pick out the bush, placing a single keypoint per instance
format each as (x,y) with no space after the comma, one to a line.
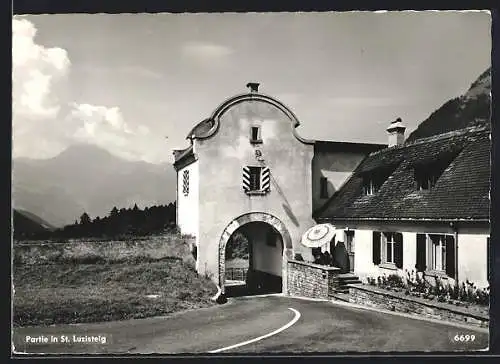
(395,281)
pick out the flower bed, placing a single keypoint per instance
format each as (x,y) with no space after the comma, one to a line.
(425,295)
(419,285)
(398,301)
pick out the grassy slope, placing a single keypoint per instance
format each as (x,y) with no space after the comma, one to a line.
(71,293)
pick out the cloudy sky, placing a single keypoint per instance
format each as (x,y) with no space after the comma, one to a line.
(126,81)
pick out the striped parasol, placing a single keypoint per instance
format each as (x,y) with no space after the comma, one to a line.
(318,235)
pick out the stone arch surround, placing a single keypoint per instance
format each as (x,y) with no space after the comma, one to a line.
(243,220)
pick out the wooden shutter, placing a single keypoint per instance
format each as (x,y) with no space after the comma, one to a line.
(398,250)
(488,257)
(421,265)
(246,179)
(376,247)
(450,256)
(265,179)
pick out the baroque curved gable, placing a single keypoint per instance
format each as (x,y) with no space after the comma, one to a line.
(208,127)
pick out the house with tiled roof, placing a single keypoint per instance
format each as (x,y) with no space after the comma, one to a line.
(421,205)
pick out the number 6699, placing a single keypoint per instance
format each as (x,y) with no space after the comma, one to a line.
(464,338)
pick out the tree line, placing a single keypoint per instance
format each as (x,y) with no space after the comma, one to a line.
(119,222)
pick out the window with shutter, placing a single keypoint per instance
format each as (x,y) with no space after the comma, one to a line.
(256,179)
(392,249)
(436,252)
(376,248)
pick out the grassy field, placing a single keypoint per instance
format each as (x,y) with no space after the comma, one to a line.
(48,294)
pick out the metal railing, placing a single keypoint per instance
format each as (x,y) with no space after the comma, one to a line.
(236,274)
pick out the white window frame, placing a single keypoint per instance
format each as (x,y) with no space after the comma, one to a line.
(369,188)
(430,179)
(385,241)
(436,256)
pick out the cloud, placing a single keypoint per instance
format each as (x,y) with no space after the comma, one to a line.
(105,126)
(35,70)
(205,51)
(45,122)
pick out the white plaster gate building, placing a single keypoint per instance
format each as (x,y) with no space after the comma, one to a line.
(247,169)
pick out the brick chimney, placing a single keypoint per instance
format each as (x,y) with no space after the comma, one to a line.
(253,86)
(396,132)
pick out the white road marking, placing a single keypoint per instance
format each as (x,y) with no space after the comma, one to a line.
(294,320)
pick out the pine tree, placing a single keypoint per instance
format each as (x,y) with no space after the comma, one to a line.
(84,219)
(114,212)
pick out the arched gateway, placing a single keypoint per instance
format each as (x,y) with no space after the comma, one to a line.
(242,221)
(247,168)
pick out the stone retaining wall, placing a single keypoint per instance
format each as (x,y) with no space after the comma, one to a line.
(311,280)
(80,251)
(399,302)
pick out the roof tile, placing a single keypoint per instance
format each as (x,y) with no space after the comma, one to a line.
(461,192)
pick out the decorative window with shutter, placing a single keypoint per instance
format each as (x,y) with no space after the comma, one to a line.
(256,180)
(185,183)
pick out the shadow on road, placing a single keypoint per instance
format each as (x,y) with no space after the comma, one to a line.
(243,290)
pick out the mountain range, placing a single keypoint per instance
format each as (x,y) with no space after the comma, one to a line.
(470,109)
(86,178)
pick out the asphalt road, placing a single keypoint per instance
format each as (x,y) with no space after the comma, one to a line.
(312,326)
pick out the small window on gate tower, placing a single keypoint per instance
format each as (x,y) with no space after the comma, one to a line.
(255,135)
